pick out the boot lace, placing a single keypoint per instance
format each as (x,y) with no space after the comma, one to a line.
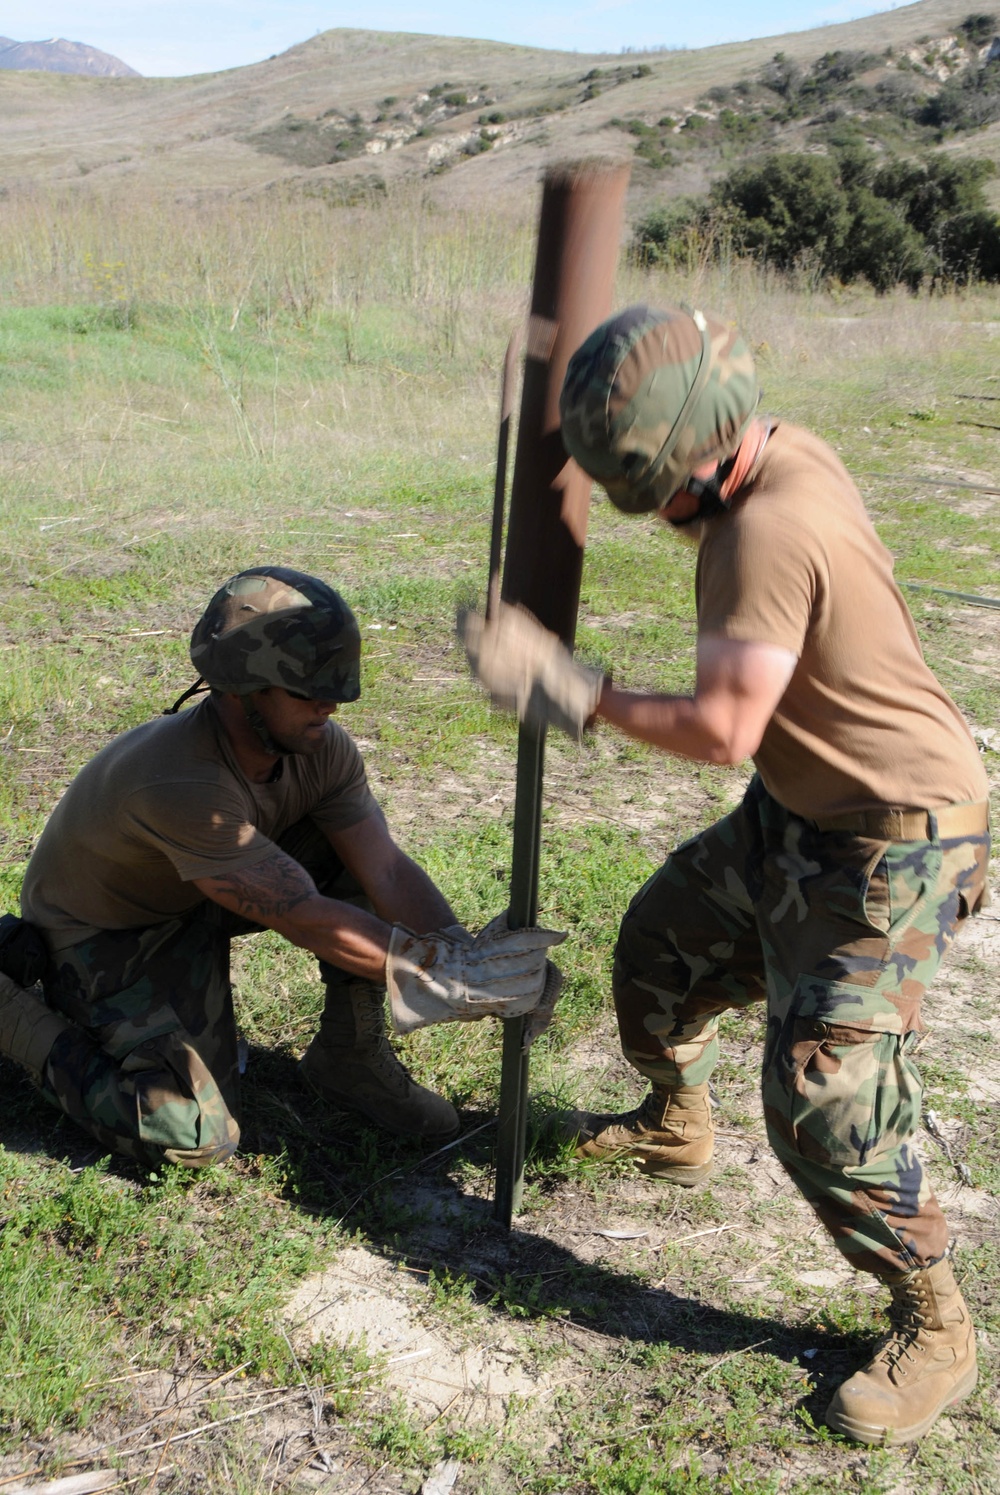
(372,1040)
(908,1312)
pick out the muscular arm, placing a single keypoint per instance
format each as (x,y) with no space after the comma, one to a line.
(737,688)
(400,891)
(281,895)
(278,893)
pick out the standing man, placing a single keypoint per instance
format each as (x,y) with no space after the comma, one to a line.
(833,891)
(249,810)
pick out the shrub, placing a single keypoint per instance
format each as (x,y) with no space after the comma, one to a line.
(930,191)
(882,247)
(978,29)
(650,152)
(683,234)
(849,216)
(967,102)
(782,76)
(788,206)
(968,247)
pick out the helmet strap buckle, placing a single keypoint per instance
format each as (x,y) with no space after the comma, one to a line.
(708,492)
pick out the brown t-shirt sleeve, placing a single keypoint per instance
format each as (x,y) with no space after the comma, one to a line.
(755,583)
(201,828)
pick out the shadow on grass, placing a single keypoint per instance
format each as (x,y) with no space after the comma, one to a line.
(408,1206)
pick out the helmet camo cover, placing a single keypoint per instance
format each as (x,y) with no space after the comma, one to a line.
(653,394)
(273,626)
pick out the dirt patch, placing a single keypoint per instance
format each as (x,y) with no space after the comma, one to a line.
(365,1301)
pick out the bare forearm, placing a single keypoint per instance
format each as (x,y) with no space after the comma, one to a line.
(348,937)
(281,895)
(407,895)
(683,725)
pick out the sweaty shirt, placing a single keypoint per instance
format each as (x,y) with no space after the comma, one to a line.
(167,803)
(863,722)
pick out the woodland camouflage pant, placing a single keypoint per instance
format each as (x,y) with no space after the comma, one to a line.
(150,1066)
(840,936)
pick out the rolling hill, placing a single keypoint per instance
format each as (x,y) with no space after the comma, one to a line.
(353,110)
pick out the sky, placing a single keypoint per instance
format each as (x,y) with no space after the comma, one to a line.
(182,37)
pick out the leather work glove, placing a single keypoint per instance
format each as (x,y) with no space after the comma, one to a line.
(540,1017)
(435,978)
(528,670)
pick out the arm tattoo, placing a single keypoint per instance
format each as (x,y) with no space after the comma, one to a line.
(267,890)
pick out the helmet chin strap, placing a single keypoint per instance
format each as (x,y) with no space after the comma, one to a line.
(715,494)
(708,492)
(257,723)
(196,689)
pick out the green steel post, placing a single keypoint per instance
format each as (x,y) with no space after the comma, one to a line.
(513,1119)
(579,230)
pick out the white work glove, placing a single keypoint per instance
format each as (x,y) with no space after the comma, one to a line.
(540,1017)
(437,978)
(528,670)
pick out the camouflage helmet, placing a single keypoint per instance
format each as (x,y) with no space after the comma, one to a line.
(275,626)
(651,396)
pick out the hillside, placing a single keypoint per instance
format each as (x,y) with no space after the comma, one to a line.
(474,120)
(61,56)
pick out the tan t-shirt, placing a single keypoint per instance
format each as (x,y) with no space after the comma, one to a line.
(167,803)
(863,723)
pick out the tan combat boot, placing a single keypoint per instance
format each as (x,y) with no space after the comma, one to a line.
(28,1027)
(669,1136)
(927,1363)
(351,1064)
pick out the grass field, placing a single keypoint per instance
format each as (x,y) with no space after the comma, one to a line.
(186,393)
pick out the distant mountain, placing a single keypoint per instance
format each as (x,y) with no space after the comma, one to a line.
(59,56)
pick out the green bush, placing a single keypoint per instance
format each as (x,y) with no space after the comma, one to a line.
(968,246)
(967,102)
(682,233)
(979,29)
(851,217)
(787,207)
(932,190)
(882,247)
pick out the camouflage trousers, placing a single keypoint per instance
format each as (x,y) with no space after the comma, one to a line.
(840,936)
(150,1066)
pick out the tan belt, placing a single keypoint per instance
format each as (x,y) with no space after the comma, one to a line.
(953,822)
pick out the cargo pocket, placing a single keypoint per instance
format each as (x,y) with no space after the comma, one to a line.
(836,1080)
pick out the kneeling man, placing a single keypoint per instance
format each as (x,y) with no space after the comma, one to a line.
(249,810)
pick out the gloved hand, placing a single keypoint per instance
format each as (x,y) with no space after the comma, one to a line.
(540,1017)
(528,670)
(436,978)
